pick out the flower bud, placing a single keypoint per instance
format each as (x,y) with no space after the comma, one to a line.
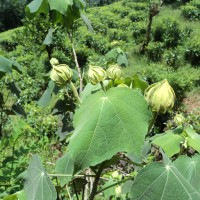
(61,74)
(160,96)
(96,74)
(179,119)
(54,61)
(114,72)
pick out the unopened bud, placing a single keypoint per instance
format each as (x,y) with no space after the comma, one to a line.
(118,190)
(114,72)
(160,96)
(54,61)
(122,85)
(96,74)
(179,119)
(61,74)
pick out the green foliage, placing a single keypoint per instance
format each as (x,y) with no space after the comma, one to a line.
(12,13)
(155,51)
(109,132)
(106,123)
(155,181)
(168,32)
(192,53)
(37,184)
(191,10)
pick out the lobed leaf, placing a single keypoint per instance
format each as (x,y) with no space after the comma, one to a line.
(107,123)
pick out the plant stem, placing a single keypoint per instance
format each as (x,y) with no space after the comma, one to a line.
(76,62)
(155,114)
(102,86)
(75,93)
(68,192)
(117,183)
(95,184)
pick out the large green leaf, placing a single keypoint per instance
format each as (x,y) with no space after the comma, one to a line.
(170,142)
(107,123)
(37,6)
(190,168)
(162,181)
(60,5)
(65,166)
(38,185)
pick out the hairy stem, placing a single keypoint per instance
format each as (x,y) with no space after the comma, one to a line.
(76,95)
(77,64)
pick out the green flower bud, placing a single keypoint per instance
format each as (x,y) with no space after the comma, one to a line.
(54,61)
(96,74)
(118,190)
(61,74)
(160,96)
(114,72)
(179,119)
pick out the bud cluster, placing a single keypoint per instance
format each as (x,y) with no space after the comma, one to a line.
(97,74)
(61,73)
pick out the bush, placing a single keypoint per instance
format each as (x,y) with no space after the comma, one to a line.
(174,57)
(168,32)
(118,34)
(155,51)
(190,12)
(11,12)
(136,16)
(192,53)
(139,32)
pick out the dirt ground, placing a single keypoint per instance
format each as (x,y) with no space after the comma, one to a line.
(192,103)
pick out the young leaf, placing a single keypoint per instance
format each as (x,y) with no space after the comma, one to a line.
(162,181)
(38,185)
(190,168)
(65,166)
(107,123)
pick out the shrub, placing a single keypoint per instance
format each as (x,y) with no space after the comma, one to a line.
(11,12)
(173,57)
(190,12)
(155,51)
(168,32)
(118,34)
(192,53)
(136,16)
(138,32)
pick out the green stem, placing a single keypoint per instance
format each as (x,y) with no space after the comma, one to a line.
(102,86)
(155,114)
(68,192)
(76,62)
(75,93)
(117,183)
